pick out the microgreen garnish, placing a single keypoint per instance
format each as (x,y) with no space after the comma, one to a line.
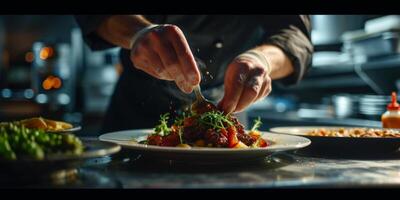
(214,120)
(257,124)
(162,128)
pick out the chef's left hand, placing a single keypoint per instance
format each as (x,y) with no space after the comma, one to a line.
(247,79)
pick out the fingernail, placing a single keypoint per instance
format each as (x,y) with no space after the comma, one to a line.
(180,82)
(180,79)
(165,75)
(188,89)
(162,73)
(185,89)
(194,79)
(180,87)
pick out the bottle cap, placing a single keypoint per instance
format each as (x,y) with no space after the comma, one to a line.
(393,105)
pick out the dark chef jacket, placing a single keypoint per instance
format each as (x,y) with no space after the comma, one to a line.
(215,40)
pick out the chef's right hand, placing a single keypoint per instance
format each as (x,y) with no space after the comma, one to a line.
(164,53)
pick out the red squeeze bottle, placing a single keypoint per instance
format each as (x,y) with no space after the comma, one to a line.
(391,118)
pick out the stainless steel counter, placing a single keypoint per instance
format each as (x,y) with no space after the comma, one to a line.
(283,170)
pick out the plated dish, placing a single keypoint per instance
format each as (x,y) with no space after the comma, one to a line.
(128,139)
(40,140)
(204,135)
(19,142)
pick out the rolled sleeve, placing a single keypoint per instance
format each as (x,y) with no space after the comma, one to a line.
(293,35)
(88,25)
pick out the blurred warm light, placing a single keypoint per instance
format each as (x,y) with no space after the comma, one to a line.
(50,50)
(47,84)
(51,82)
(29,57)
(46,52)
(56,82)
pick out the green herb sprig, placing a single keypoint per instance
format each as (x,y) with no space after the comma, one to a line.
(162,128)
(257,124)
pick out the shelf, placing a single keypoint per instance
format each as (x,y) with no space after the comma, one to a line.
(389,62)
(273,119)
(383,71)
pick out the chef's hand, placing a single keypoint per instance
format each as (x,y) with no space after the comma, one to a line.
(164,53)
(247,79)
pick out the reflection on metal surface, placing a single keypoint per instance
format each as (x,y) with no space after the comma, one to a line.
(75,178)
(127,170)
(280,170)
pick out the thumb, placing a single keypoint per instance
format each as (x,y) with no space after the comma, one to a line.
(221,104)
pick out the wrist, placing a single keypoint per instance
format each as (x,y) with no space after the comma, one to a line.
(139,34)
(258,57)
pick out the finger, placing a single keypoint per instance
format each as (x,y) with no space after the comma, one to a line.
(186,59)
(251,89)
(145,59)
(156,65)
(170,62)
(165,52)
(140,61)
(144,66)
(234,82)
(265,89)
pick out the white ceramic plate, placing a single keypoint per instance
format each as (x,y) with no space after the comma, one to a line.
(341,144)
(278,143)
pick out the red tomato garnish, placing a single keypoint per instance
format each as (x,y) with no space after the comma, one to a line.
(232,137)
(154,140)
(262,143)
(170,140)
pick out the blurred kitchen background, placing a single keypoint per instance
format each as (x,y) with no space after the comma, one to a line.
(47,70)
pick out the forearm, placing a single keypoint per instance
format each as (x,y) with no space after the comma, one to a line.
(280,64)
(120,29)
